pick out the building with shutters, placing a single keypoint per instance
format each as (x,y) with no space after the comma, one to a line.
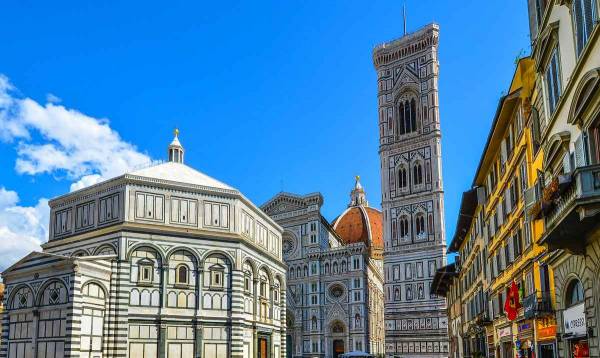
(163,261)
(412,193)
(566,198)
(335,275)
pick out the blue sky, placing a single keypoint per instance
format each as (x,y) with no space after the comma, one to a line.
(268,96)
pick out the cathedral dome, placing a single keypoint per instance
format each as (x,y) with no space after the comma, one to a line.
(360,223)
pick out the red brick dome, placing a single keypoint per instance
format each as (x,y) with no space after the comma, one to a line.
(360,223)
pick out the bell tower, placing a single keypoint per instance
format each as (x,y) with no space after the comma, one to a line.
(412,193)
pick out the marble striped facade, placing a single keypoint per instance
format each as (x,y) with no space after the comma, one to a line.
(152,282)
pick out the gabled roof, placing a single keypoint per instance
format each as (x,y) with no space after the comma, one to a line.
(32,258)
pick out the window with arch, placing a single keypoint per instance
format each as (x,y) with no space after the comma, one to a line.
(574,293)
(420,224)
(327,267)
(298,272)
(182,274)
(403,226)
(23,298)
(407,117)
(402,178)
(417,174)
(584,18)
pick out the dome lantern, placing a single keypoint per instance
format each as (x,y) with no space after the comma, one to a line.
(358,195)
(176,149)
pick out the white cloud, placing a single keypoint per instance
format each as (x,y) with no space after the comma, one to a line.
(52,139)
(52,98)
(22,228)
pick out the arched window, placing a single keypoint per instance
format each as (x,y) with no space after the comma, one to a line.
(420,224)
(585,17)
(401,123)
(413,115)
(327,267)
(402,178)
(403,226)
(182,274)
(298,272)
(574,293)
(407,122)
(417,174)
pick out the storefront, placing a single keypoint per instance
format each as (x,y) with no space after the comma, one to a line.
(546,337)
(524,343)
(505,340)
(575,331)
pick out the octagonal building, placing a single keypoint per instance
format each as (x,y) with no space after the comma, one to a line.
(163,261)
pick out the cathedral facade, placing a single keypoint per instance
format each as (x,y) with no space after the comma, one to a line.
(412,193)
(164,261)
(335,275)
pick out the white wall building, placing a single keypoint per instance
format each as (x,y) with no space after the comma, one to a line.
(160,262)
(412,193)
(335,275)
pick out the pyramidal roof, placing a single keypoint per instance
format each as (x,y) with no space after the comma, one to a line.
(180,173)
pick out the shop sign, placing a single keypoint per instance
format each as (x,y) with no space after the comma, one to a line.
(574,320)
(504,332)
(524,327)
(546,328)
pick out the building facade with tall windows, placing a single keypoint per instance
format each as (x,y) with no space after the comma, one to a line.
(164,261)
(335,275)
(412,193)
(567,199)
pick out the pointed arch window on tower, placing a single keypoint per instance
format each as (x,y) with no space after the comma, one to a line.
(403,226)
(401,123)
(417,174)
(420,224)
(402,178)
(413,115)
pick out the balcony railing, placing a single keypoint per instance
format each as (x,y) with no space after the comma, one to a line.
(537,304)
(572,204)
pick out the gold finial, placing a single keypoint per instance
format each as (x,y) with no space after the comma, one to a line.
(357,178)
(176,132)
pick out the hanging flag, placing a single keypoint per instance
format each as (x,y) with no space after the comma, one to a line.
(512,304)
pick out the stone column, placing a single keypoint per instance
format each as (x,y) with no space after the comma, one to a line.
(198,340)
(162,341)
(283,321)
(237,311)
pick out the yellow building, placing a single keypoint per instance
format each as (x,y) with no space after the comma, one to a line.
(565,201)
(498,241)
